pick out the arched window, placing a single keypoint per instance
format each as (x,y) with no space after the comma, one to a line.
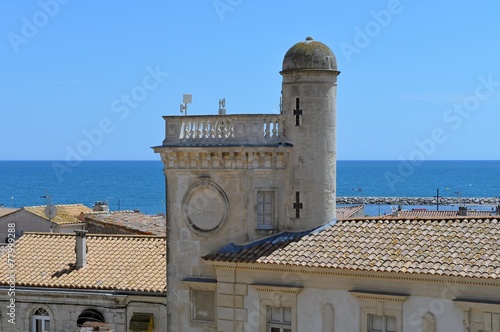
(41,321)
(90,315)
(429,323)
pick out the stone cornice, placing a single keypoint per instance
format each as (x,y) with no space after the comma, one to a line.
(314,72)
(405,277)
(467,305)
(202,284)
(374,296)
(277,289)
(224,157)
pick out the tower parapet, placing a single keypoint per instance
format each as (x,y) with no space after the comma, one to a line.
(246,141)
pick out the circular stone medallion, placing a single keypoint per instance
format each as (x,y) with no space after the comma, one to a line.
(205,207)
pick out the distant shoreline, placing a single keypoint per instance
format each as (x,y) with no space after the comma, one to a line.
(492,201)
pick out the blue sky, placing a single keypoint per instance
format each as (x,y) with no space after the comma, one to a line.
(420,79)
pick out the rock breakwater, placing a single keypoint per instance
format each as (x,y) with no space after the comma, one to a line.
(419,200)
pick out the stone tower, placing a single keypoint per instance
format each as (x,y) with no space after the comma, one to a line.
(309,106)
(239,178)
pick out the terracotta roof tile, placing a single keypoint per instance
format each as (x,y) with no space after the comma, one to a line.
(344,212)
(66,213)
(454,246)
(114,262)
(420,213)
(135,222)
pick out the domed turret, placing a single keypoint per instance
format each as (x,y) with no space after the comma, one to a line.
(309,55)
(309,93)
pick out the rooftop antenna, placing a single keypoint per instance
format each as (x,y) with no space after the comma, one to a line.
(360,191)
(50,210)
(186,99)
(437,199)
(459,195)
(222,106)
(108,200)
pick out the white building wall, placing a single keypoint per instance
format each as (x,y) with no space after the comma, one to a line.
(347,315)
(312,301)
(25,222)
(448,316)
(28,222)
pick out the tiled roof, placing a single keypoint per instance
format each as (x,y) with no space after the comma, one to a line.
(417,213)
(460,247)
(133,221)
(66,213)
(6,211)
(344,212)
(114,262)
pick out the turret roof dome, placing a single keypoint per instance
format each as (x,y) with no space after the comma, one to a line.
(309,55)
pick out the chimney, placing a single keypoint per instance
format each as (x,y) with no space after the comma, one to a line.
(81,248)
(462,211)
(81,216)
(101,207)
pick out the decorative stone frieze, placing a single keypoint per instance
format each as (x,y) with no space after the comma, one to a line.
(229,158)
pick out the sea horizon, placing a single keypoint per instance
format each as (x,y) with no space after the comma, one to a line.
(140,184)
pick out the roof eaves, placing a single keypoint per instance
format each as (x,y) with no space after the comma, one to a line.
(233,248)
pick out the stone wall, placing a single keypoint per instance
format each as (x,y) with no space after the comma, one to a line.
(64,308)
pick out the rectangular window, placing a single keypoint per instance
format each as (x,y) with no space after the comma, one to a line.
(279,319)
(203,306)
(380,312)
(265,209)
(381,323)
(41,321)
(42,325)
(141,322)
(483,316)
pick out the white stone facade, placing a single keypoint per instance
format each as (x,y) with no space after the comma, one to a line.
(352,297)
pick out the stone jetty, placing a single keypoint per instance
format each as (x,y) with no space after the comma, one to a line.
(420,200)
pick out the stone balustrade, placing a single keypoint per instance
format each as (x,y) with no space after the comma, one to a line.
(206,130)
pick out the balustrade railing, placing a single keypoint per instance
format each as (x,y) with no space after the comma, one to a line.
(225,129)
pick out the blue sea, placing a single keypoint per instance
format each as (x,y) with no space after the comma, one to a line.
(141,184)
(125,185)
